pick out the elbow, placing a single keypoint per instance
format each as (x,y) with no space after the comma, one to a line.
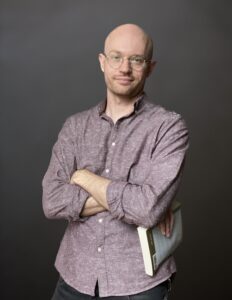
(49,215)
(146,218)
(150,215)
(145,224)
(55,209)
(53,213)
(46,201)
(48,211)
(49,208)
(146,221)
(51,201)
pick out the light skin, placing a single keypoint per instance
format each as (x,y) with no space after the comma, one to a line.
(124,86)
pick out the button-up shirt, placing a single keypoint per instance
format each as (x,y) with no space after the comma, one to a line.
(143,155)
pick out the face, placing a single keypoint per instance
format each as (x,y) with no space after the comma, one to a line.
(125,81)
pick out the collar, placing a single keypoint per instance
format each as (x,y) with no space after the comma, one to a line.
(138,104)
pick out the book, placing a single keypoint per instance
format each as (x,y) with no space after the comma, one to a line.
(156,247)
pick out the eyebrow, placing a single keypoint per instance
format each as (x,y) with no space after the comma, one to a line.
(128,56)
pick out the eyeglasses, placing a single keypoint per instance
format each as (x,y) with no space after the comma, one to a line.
(115,60)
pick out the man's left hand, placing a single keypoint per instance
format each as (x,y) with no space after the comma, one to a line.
(166,225)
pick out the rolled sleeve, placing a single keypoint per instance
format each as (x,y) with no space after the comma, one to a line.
(114,194)
(145,204)
(62,200)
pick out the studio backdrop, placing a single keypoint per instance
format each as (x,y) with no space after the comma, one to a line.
(50,70)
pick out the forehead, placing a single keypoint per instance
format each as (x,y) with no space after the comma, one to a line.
(127,44)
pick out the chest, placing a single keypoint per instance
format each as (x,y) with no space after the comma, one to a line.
(116,152)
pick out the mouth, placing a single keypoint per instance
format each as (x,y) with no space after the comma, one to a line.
(124,80)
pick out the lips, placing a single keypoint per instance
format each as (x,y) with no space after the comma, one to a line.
(124,80)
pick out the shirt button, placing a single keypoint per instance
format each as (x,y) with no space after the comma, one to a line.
(113,144)
(100,220)
(99,249)
(107,170)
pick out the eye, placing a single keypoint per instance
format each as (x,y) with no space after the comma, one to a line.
(115,57)
(138,60)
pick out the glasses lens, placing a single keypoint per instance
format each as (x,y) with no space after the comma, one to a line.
(114,60)
(137,62)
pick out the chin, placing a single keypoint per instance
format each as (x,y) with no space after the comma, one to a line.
(123,92)
(126,95)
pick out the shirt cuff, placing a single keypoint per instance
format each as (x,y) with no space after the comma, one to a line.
(78,203)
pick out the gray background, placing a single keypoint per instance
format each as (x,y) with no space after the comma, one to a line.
(49,70)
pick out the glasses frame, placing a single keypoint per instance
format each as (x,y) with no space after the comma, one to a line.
(145,62)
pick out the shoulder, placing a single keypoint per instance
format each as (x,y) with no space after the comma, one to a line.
(169,127)
(79,119)
(74,124)
(160,116)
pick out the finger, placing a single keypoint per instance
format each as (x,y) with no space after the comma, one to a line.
(168,223)
(162,227)
(172,221)
(167,220)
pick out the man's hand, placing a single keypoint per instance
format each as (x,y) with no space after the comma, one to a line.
(166,225)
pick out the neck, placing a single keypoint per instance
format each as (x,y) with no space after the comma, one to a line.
(118,107)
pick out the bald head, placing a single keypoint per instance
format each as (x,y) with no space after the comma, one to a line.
(129,35)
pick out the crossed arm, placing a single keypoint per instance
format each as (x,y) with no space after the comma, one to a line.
(97,186)
(60,197)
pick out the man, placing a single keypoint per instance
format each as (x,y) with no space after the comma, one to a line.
(114,167)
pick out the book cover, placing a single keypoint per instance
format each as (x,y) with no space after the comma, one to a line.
(156,247)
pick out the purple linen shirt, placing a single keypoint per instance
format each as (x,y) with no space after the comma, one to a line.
(143,156)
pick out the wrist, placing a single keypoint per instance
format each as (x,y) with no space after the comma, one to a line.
(77,177)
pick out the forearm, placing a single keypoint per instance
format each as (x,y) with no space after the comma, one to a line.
(94,184)
(138,204)
(91,207)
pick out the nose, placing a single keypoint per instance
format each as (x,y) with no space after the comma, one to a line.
(125,66)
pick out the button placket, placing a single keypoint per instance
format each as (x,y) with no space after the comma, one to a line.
(113,144)
(101,240)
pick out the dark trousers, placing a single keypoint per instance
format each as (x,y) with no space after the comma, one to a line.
(65,292)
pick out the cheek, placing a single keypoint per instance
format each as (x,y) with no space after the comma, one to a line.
(108,75)
(106,70)
(140,78)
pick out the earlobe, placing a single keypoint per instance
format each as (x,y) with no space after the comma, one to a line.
(101,61)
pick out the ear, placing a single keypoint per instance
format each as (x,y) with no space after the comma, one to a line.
(151,67)
(101,59)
